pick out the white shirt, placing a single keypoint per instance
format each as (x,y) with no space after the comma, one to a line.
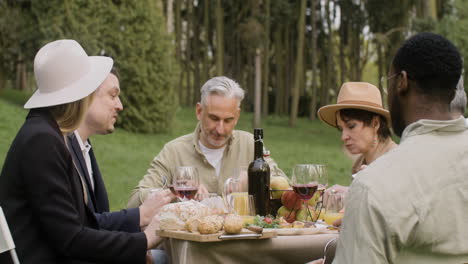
(85,148)
(214,156)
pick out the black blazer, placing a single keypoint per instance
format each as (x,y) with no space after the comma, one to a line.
(43,200)
(124,220)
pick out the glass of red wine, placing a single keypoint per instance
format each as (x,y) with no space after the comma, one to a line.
(186,182)
(307,179)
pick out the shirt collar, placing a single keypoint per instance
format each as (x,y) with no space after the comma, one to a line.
(85,147)
(424,126)
(196,138)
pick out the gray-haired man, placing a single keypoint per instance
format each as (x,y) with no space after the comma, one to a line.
(215,148)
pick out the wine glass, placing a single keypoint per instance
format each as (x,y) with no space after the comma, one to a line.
(334,206)
(307,179)
(242,204)
(186,182)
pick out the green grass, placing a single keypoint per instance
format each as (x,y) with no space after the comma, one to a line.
(124,157)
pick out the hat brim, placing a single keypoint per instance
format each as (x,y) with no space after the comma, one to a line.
(100,68)
(328,113)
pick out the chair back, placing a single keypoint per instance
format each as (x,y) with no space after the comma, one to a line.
(6,241)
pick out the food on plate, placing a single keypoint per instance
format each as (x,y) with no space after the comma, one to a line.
(298,224)
(233,224)
(305,213)
(186,210)
(291,200)
(277,186)
(265,222)
(210,224)
(192,224)
(216,204)
(309,225)
(170,221)
(287,214)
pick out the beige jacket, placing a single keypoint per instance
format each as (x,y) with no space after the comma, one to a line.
(410,205)
(185,151)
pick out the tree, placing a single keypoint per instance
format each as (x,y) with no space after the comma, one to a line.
(299,64)
(134,34)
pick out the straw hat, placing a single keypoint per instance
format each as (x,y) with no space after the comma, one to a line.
(65,73)
(354,95)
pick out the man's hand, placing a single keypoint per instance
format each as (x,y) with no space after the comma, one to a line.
(150,231)
(151,206)
(201,190)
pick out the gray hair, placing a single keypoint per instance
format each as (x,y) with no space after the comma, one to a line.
(223,86)
(459,100)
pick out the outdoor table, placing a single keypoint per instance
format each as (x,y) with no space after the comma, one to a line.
(282,249)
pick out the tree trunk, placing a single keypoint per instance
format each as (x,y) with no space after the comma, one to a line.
(178,31)
(380,66)
(266,60)
(170,16)
(206,26)
(279,87)
(299,65)
(258,89)
(219,38)
(196,43)
(188,53)
(286,69)
(313,22)
(330,53)
(342,51)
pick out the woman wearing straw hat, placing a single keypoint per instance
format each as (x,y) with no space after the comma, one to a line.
(44,197)
(362,120)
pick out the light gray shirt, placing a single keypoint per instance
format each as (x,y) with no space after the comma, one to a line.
(411,205)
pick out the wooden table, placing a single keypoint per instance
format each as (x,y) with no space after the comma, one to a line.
(282,249)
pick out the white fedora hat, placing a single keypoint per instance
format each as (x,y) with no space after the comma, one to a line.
(65,73)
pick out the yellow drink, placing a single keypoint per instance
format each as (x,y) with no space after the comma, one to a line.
(329,218)
(240,203)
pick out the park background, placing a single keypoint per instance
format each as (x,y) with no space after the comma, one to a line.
(291,57)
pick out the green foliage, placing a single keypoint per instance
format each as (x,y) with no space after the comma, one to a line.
(18,37)
(148,72)
(454,26)
(133,33)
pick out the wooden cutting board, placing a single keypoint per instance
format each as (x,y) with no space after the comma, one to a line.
(185,235)
(301,231)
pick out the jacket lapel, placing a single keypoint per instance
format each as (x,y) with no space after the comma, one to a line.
(78,158)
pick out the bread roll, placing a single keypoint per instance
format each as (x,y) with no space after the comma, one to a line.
(187,210)
(233,224)
(192,224)
(210,224)
(170,221)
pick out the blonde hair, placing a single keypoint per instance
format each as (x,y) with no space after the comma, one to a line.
(69,116)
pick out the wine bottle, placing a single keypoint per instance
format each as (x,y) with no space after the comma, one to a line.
(259,176)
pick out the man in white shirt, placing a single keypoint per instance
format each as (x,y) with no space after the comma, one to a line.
(100,119)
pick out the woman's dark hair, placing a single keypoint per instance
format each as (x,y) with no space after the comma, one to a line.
(366,117)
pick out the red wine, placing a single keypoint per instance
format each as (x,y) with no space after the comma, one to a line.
(305,191)
(259,177)
(186,192)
